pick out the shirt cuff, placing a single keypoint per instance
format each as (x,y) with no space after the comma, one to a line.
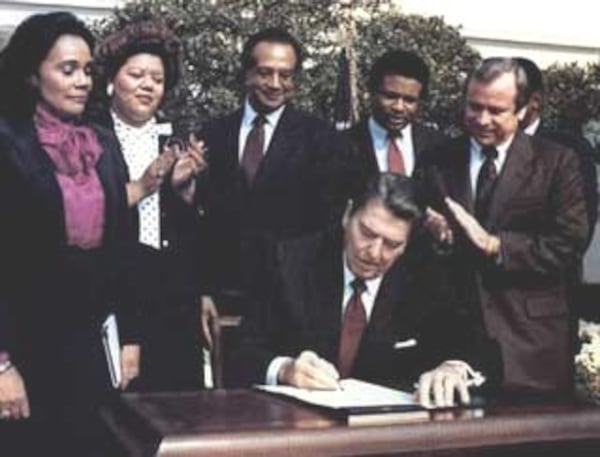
(273,369)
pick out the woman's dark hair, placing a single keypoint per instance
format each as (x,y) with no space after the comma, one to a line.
(27,48)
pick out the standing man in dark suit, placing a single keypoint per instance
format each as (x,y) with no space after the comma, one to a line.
(585,284)
(340,304)
(272,171)
(390,139)
(519,219)
(532,124)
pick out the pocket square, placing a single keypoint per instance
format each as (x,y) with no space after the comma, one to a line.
(411,342)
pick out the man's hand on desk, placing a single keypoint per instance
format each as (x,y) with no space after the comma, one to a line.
(309,371)
(437,388)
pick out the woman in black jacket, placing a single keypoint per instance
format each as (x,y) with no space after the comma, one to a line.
(137,66)
(64,228)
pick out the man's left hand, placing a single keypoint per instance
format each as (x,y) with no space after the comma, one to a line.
(436,388)
(484,241)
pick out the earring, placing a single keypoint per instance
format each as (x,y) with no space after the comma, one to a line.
(110,89)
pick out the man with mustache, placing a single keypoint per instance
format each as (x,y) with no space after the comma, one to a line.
(518,214)
(391,139)
(357,303)
(272,171)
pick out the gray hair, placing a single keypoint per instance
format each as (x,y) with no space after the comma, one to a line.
(492,68)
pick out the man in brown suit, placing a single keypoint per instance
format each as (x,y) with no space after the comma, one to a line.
(517,213)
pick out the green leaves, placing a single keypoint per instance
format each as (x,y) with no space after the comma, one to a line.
(214,31)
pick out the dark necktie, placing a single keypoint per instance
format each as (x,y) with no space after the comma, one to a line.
(486,181)
(353,325)
(253,149)
(395,159)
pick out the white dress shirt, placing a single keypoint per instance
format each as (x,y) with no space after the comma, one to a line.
(368,296)
(380,140)
(532,128)
(248,117)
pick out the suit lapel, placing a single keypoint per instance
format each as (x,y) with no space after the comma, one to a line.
(280,153)
(230,157)
(326,281)
(388,296)
(365,142)
(513,177)
(36,163)
(420,139)
(459,179)
(112,172)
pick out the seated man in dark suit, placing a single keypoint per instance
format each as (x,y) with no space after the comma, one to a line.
(349,303)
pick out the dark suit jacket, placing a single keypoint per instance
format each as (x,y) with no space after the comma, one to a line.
(297,305)
(296,190)
(587,166)
(362,162)
(538,211)
(167,283)
(53,297)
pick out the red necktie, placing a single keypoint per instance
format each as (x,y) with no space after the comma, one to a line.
(353,325)
(253,149)
(395,159)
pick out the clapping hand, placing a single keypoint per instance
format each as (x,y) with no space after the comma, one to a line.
(191,160)
(481,239)
(155,173)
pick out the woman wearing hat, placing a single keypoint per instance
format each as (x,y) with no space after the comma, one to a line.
(137,67)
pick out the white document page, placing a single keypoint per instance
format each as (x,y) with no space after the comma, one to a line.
(353,394)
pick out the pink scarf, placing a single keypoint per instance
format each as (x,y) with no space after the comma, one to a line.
(75,151)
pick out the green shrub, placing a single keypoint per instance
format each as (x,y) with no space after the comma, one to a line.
(214,31)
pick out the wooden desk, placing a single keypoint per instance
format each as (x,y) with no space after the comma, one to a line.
(246,423)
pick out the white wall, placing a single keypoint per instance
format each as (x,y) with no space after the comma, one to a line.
(543,31)
(14,11)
